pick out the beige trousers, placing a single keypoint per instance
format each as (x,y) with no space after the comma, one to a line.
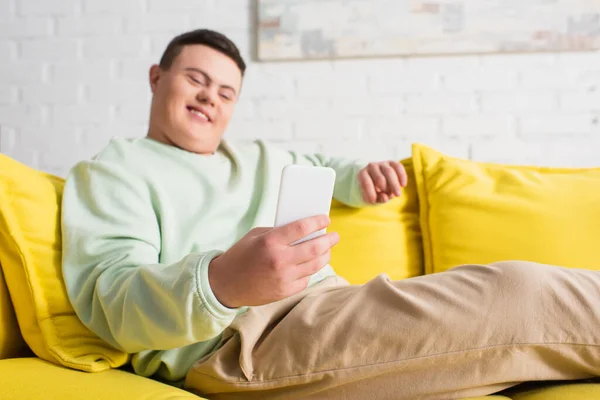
(469,331)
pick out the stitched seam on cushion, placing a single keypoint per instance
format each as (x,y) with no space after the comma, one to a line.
(424,209)
(395,362)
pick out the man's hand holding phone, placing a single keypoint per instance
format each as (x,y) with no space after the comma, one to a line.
(264,266)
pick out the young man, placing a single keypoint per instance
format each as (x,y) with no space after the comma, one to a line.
(165,258)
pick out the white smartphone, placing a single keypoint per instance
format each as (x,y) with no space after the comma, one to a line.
(304,191)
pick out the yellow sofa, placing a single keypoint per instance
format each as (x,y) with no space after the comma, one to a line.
(453,211)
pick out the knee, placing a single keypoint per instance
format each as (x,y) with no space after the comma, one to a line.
(518,278)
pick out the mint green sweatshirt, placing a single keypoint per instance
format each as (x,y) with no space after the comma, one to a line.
(141,223)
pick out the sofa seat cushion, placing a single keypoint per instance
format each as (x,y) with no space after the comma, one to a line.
(553,390)
(34,378)
(584,389)
(574,391)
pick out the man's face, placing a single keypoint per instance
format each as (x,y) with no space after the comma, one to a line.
(193,100)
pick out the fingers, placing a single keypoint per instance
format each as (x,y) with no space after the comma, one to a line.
(383,198)
(311,249)
(378,177)
(393,180)
(303,227)
(299,285)
(367,186)
(401,172)
(313,266)
(382,181)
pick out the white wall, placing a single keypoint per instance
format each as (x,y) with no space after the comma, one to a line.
(73,73)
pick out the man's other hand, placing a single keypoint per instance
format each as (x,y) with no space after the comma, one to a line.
(382,181)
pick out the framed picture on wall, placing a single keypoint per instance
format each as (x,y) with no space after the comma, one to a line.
(312,29)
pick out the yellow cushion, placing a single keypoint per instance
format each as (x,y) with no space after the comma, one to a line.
(381,239)
(473,212)
(553,390)
(561,391)
(35,379)
(11,341)
(30,254)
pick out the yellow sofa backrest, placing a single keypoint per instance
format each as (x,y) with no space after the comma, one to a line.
(381,239)
(426,222)
(11,341)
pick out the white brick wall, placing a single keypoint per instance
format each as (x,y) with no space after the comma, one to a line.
(89,26)
(74,73)
(29,27)
(49,50)
(113,7)
(47,7)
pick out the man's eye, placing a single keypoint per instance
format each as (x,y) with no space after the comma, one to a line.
(225,96)
(196,80)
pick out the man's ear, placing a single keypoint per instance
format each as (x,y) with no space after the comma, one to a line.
(154,76)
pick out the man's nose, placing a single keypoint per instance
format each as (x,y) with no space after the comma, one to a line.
(207,96)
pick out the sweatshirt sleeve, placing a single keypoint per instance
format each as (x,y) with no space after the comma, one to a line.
(118,287)
(347,188)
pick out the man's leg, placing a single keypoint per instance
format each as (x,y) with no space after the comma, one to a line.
(472,330)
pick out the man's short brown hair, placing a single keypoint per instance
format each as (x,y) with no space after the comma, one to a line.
(212,39)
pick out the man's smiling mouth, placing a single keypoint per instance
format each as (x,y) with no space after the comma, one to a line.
(198,113)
